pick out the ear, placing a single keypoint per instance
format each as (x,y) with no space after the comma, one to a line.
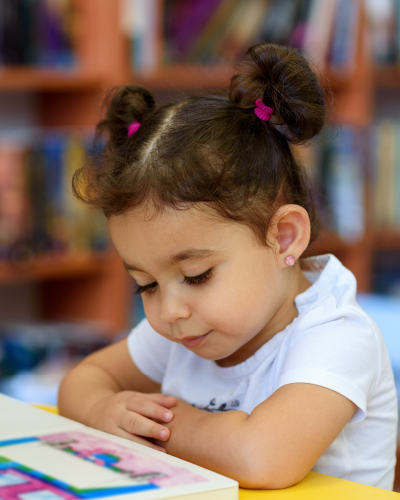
(290,230)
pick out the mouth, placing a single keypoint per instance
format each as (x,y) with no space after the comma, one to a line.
(191,342)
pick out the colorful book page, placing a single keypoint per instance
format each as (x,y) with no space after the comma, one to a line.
(71,465)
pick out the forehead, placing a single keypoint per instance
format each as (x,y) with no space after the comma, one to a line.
(136,234)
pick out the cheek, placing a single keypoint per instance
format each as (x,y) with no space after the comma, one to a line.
(242,303)
(225,305)
(152,312)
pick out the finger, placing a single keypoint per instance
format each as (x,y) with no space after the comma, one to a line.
(137,439)
(148,408)
(169,401)
(138,424)
(163,400)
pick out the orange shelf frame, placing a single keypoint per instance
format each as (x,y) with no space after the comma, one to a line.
(187,76)
(387,76)
(57,267)
(190,76)
(178,77)
(329,242)
(386,239)
(20,78)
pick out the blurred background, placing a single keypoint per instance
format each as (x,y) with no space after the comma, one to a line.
(63,290)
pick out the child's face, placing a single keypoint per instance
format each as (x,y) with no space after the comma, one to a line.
(206,283)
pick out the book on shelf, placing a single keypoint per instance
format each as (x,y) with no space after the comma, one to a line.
(342,50)
(140,22)
(203,50)
(384,29)
(13,202)
(245,20)
(318,30)
(346,186)
(334,165)
(184,21)
(48,457)
(38,213)
(37,32)
(386,173)
(213,32)
(386,274)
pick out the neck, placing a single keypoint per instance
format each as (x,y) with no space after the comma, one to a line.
(282,317)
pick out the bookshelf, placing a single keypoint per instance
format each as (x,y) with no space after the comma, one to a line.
(73,99)
(95,286)
(88,285)
(353,103)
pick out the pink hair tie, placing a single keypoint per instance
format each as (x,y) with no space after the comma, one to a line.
(262,111)
(133,127)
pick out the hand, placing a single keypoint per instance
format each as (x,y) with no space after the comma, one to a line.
(135,416)
(182,402)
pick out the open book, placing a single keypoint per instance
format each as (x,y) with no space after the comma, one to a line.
(48,457)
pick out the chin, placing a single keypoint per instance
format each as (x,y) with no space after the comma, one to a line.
(212,355)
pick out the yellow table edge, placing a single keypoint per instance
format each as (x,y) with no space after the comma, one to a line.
(313,487)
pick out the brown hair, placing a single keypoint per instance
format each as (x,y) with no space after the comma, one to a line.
(212,149)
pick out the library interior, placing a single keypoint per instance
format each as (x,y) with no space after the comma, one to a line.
(64,292)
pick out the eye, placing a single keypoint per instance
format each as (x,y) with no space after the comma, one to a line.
(150,288)
(198,280)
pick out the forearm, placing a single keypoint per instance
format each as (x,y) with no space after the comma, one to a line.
(216,441)
(273,447)
(82,388)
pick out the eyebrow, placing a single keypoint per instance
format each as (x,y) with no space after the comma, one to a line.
(190,254)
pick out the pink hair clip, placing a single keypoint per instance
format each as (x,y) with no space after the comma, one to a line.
(132,128)
(262,111)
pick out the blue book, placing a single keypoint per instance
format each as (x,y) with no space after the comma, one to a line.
(343,48)
(53,150)
(346,186)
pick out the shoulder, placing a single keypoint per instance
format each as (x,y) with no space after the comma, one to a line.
(333,342)
(330,306)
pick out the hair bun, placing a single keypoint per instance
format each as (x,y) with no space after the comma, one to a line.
(283,79)
(125,105)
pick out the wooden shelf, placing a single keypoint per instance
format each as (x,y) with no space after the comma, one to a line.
(189,76)
(335,80)
(386,239)
(87,286)
(387,76)
(181,77)
(23,78)
(49,268)
(100,288)
(328,242)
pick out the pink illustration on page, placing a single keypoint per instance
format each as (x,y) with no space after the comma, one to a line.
(120,458)
(20,485)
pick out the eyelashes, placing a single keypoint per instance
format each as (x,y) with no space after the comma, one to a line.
(198,280)
(146,288)
(189,280)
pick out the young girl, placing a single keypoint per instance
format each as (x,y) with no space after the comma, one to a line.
(251,362)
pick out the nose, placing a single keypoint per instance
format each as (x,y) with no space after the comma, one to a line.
(173,307)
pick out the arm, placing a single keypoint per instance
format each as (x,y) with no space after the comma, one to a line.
(107,391)
(273,447)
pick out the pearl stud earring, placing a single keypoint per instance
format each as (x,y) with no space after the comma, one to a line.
(290,260)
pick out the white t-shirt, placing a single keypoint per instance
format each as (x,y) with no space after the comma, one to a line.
(332,343)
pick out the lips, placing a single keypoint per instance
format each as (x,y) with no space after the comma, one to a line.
(191,342)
